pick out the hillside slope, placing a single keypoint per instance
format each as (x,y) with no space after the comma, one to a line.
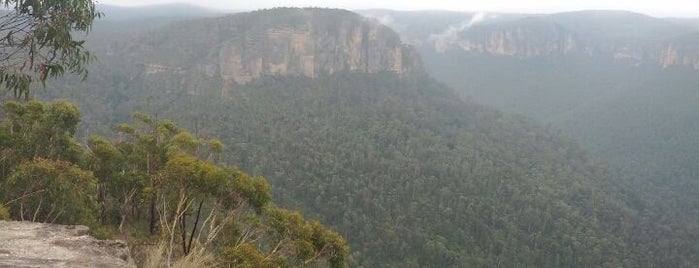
(629,98)
(410,174)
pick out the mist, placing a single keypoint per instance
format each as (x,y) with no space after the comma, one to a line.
(365,134)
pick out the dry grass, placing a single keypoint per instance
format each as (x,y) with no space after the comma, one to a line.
(156,257)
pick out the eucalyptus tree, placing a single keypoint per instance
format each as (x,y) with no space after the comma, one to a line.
(53,191)
(38,130)
(230,210)
(37,40)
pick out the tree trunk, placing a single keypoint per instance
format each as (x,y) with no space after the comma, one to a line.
(152,215)
(194,229)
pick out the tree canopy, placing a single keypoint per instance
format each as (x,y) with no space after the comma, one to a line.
(157,183)
(37,41)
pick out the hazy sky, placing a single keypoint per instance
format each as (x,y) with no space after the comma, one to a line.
(663,8)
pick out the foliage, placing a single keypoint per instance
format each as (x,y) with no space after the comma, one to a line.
(255,189)
(175,173)
(410,174)
(39,169)
(45,131)
(287,240)
(38,43)
(154,168)
(247,256)
(4,213)
(51,191)
(640,119)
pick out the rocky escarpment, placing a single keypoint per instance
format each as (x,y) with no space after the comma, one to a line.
(525,38)
(614,35)
(38,245)
(538,36)
(283,41)
(682,51)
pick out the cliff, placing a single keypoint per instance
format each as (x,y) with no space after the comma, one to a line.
(525,38)
(284,41)
(682,51)
(616,35)
(28,244)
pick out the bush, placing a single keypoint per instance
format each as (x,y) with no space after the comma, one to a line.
(4,213)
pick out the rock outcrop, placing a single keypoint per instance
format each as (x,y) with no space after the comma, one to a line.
(683,51)
(622,36)
(526,38)
(307,42)
(28,244)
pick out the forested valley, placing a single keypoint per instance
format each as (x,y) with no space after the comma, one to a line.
(182,142)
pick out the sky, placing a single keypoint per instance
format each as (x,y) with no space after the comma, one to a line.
(658,8)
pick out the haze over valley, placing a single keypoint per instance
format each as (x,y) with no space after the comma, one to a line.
(405,138)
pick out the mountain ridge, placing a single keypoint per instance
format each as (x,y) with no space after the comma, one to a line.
(619,35)
(121,13)
(307,42)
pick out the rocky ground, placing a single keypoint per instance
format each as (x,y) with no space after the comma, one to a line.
(28,244)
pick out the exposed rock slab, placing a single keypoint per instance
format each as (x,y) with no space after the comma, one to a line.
(28,244)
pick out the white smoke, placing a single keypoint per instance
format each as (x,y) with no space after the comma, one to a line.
(442,41)
(384,19)
(388,21)
(477,18)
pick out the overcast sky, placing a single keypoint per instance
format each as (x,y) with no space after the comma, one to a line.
(660,8)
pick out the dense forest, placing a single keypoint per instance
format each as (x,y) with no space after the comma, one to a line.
(158,185)
(413,176)
(395,168)
(625,98)
(640,119)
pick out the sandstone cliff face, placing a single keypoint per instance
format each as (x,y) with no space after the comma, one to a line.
(524,39)
(38,245)
(526,42)
(681,52)
(622,36)
(284,41)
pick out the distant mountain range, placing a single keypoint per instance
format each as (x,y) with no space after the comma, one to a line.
(620,35)
(112,12)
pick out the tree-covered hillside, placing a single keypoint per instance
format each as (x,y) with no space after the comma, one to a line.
(406,171)
(413,176)
(639,117)
(158,186)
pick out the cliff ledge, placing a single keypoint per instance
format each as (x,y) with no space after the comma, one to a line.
(29,244)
